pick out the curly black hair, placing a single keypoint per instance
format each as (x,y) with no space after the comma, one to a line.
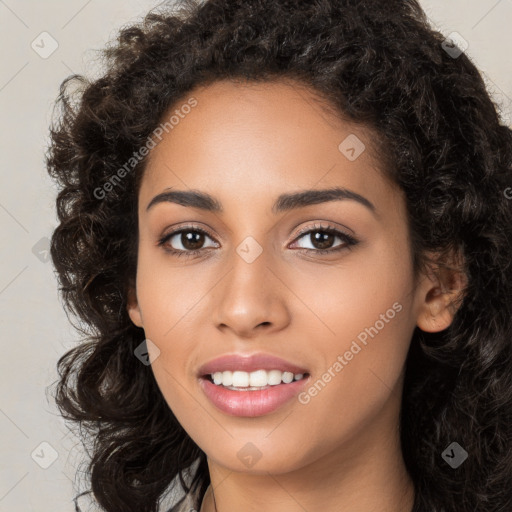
(377,63)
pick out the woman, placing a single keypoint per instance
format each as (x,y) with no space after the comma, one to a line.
(287,227)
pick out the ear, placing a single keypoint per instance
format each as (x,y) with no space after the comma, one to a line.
(440,293)
(133,307)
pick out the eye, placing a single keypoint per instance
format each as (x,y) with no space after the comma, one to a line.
(322,238)
(190,238)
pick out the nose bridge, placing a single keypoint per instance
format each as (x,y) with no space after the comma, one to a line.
(250,261)
(249,294)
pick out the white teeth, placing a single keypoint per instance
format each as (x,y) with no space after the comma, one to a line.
(256,379)
(287,377)
(227,378)
(274,377)
(240,379)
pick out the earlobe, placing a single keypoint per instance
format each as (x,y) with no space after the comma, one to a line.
(133,308)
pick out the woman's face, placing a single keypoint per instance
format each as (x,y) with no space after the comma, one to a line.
(257,286)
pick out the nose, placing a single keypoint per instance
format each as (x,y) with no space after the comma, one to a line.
(251,298)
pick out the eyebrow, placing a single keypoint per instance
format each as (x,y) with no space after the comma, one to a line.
(285,202)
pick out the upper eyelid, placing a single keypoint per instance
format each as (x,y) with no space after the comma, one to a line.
(328,227)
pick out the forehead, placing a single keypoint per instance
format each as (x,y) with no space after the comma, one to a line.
(248,140)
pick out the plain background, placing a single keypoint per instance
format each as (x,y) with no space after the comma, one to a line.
(35,329)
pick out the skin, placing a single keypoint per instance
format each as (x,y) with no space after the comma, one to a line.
(245,144)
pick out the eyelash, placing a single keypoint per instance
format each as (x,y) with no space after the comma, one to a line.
(349,240)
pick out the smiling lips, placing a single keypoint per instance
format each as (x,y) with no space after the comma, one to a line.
(234,362)
(251,385)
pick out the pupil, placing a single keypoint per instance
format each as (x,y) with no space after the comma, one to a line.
(325,243)
(187,239)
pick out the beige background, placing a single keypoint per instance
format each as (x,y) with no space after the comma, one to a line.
(35,330)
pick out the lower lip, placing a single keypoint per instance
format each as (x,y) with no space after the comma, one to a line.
(251,403)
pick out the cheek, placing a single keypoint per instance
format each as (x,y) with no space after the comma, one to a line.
(365,290)
(169,304)
(358,378)
(367,308)
(167,296)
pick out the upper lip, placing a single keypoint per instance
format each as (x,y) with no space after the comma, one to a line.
(248,363)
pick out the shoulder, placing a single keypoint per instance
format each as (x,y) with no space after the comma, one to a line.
(189,503)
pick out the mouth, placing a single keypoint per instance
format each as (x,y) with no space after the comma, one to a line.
(250,395)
